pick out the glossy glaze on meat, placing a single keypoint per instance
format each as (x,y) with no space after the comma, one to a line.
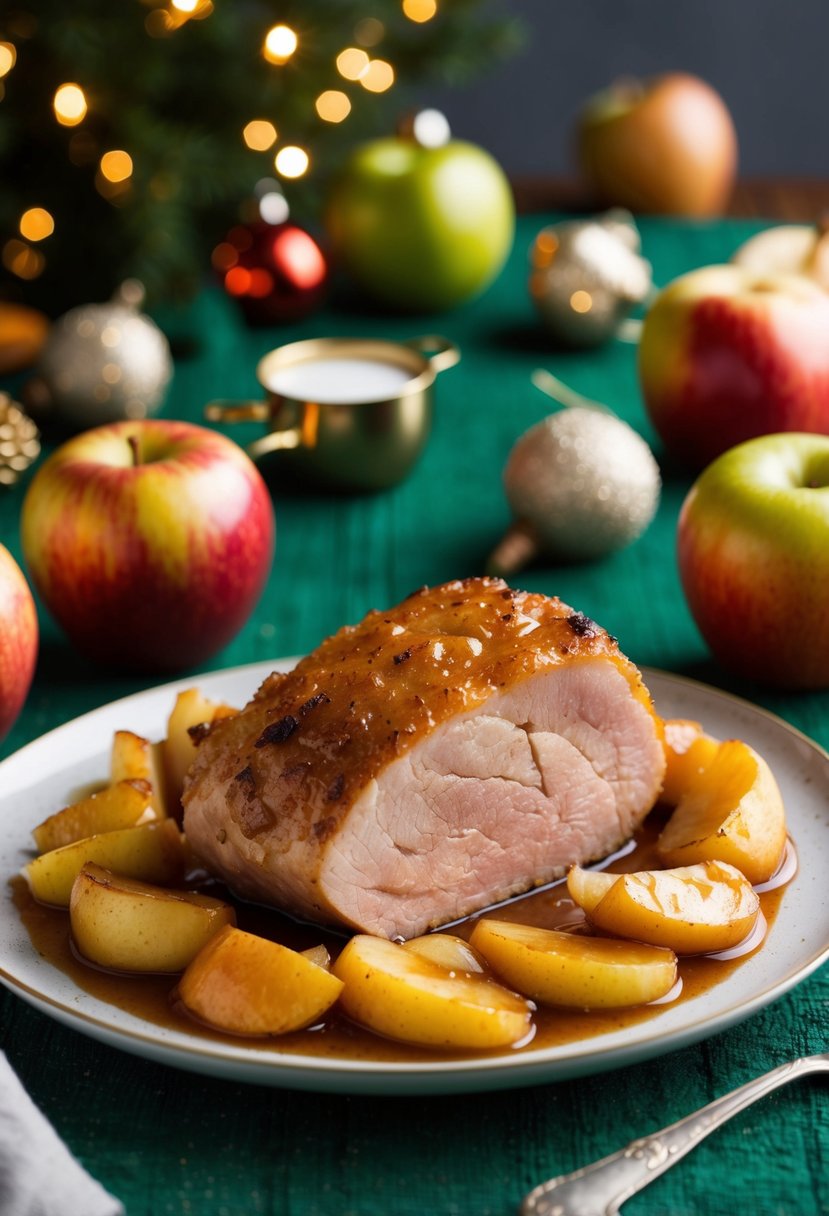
(466,745)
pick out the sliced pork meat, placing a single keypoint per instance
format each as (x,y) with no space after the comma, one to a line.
(465,746)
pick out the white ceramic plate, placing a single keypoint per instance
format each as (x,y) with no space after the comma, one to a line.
(39,778)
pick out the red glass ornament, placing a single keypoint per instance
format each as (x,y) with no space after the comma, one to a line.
(277,272)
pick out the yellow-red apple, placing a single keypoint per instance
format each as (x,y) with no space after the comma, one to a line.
(18,640)
(752,546)
(149,541)
(665,145)
(726,355)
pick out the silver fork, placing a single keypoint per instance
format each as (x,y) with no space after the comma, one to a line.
(601,1188)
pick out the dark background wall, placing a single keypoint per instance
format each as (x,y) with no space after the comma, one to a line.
(769,59)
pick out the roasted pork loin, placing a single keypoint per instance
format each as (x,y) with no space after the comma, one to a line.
(465,746)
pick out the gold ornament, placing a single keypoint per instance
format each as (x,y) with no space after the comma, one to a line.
(581,484)
(101,363)
(586,277)
(19,441)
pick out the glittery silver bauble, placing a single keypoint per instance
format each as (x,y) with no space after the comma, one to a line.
(581,484)
(101,363)
(586,277)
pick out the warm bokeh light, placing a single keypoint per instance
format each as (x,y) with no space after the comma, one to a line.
(185,6)
(581,301)
(291,161)
(545,248)
(8,57)
(22,260)
(299,258)
(273,207)
(256,282)
(259,134)
(352,62)
(237,280)
(369,31)
(280,44)
(333,106)
(70,105)
(431,129)
(224,256)
(36,224)
(378,76)
(116,166)
(420,10)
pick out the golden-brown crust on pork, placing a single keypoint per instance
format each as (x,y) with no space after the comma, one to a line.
(309,741)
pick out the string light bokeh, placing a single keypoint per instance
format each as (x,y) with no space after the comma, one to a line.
(318,81)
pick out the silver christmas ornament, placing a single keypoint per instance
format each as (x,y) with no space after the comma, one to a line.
(101,363)
(586,277)
(581,484)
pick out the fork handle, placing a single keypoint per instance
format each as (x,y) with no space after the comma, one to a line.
(599,1189)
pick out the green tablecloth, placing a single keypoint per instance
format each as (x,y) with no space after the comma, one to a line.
(166,1141)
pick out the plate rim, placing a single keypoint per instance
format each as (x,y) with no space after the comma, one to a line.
(331,1074)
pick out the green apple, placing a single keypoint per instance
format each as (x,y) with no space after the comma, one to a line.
(18,640)
(664,145)
(726,354)
(422,228)
(150,542)
(753,553)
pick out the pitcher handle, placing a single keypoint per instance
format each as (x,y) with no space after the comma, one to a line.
(237,411)
(276,441)
(440,352)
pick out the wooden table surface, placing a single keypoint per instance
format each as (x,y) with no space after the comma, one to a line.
(798,200)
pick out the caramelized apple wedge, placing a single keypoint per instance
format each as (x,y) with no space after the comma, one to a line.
(447,951)
(123,805)
(128,925)
(399,994)
(152,852)
(135,758)
(320,955)
(190,711)
(691,910)
(688,753)
(732,811)
(573,970)
(248,985)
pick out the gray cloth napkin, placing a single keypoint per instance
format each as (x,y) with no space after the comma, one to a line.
(38,1174)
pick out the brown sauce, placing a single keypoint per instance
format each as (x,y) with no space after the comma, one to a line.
(152,997)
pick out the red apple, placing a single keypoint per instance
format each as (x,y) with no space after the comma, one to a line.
(753,552)
(665,145)
(726,355)
(150,542)
(18,640)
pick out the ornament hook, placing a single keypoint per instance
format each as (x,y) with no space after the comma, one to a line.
(561,393)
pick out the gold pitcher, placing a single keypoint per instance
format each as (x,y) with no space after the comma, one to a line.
(353,413)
